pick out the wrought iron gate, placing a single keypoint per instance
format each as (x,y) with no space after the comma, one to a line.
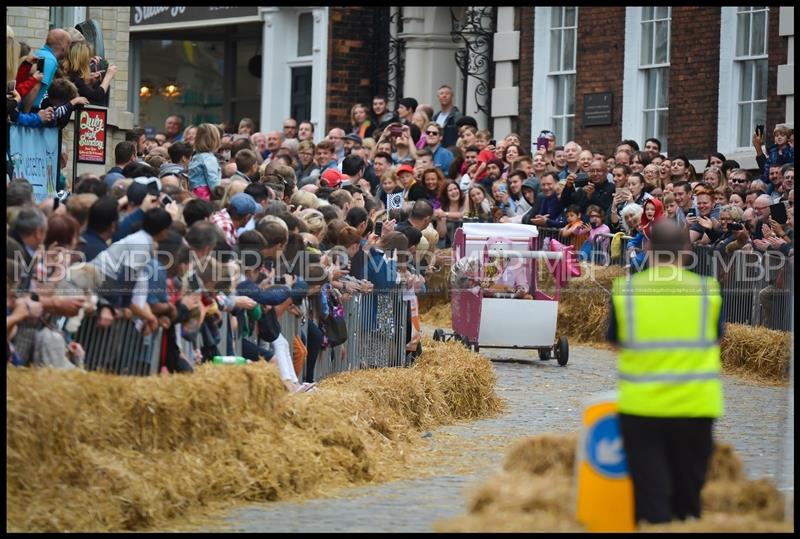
(475,29)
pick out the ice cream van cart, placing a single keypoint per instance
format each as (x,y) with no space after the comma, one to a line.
(485,318)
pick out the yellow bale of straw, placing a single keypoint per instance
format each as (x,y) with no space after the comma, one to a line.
(535,491)
(95,452)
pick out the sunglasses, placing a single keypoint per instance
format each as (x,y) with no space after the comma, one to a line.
(432,133)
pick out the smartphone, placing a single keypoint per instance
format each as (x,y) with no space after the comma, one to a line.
(760,130)
(502,188)
(395,130)
(166,199)
(735,226)
(40,65)
(379,228)
(493,142)
(691,212)
(581,179)
(542,143)
(778,212)
(11,86)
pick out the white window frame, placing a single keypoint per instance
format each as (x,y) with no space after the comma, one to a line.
(730,68)
(544,85)
(634,83)
(280,56)
(70,16)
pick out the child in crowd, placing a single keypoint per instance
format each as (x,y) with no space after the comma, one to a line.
(63,97)
(593,228)
(574,224)
(671,206)
(204,172)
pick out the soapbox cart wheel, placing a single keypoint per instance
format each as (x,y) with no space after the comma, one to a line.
(562,351)
(438,334)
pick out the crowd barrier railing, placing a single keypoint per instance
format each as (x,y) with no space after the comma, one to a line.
(757,287)
(120,348)
(376,335)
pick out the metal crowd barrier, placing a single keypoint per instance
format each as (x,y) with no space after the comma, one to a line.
(757,287)
(601,250)
(376,335)
(120,348)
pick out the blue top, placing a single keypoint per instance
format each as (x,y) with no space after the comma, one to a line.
(94,244)
(442,158)
(204,171)
(129,224)
(50,68)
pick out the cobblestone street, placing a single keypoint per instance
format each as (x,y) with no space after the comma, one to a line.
(541,397)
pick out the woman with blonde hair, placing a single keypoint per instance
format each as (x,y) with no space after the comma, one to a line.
(359,120)
(234,188)
(190,133)
(420,119)
(305,200)
(315,222)
(12,54)
(75,66)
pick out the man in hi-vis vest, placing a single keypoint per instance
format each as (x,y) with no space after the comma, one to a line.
(667,323)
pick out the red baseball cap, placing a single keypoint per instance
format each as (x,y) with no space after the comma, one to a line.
(333,178)
(405,168)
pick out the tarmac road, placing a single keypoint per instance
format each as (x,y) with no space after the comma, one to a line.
(541,397)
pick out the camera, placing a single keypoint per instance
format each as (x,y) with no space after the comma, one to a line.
(581,180)
(735,226)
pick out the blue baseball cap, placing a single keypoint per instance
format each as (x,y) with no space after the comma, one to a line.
(243,204)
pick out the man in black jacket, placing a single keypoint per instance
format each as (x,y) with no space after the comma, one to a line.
(598,191)
(447,116)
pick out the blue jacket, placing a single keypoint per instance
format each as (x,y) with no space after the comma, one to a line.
(129,224)
(442,158)
(204,170)
(774,158)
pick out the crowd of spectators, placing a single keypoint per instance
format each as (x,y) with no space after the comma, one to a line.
(200,220)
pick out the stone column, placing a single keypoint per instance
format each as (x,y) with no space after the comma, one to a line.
(430,55)
(505,94)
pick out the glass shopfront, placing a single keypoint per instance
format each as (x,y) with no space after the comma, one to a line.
(204,74)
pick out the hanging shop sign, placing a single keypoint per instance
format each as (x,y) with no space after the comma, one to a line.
(90,135)
(149,17)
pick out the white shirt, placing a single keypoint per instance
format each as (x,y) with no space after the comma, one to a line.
(442,118)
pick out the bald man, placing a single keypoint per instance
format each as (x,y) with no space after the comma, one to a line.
(55,49)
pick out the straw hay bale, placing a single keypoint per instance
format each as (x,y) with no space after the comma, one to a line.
(721,522)
(583,309)
(438,316)
(759,497)
(756,350)
(89,451)
(535,491)
(543,454)
(725,464)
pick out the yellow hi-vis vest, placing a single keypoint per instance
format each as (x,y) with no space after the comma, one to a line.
(669,362)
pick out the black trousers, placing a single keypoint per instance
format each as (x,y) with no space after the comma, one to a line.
(667,460)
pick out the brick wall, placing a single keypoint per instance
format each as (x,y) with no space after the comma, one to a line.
(352,66)
(599,64)
(776,48)
(694,81)
(524,23)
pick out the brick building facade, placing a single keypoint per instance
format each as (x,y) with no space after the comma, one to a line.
(349,59)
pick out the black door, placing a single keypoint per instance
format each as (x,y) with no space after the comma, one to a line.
(301,93)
